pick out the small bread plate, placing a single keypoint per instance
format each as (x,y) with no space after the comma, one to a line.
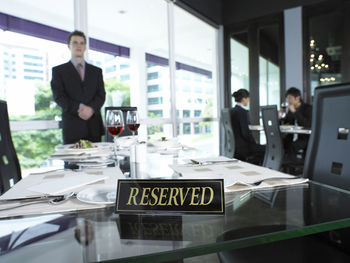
(102,195)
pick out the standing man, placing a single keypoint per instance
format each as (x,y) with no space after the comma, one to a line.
(78,89)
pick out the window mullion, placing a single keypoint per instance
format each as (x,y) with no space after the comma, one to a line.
(172,66)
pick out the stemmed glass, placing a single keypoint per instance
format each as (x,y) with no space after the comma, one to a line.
(115,125)
(133,122)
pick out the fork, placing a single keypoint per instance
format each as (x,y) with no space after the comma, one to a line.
(54,201)
(271,178)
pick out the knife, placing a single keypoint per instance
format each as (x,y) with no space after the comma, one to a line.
(30,198)
(213,162)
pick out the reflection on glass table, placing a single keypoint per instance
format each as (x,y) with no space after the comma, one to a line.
(272,214)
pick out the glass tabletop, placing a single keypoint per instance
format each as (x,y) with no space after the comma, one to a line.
(251,218)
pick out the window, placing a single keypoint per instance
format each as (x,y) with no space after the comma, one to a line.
(269,71)
(155,113)
(156,100)
(197,113)
(186,128)
(153,88)
(111,69)
(328,44)
(186,89)
(124,77)
(32,64)
(198,90)
(198,77)
(32,70)
(152,75)
(124,66)
(32,77)
(196,67)
(186,113)
(239,63)
(34,53)
(186,76)
(32,57)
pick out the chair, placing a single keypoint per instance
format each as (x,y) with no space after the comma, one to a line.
(327,161)
(229,136)
(10,171)
(126,131)
(328,151)
(274,147)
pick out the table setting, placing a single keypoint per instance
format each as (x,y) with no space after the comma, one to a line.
(237,175)
(61,191)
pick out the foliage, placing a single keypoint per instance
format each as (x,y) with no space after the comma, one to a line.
(111,86)
(207,113)
(154,129)
(35,146)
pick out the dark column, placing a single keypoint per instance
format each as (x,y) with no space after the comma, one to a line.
(253,43)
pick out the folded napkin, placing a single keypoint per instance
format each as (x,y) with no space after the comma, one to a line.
(237,175)
(65,183)
(126,141)
(167,144)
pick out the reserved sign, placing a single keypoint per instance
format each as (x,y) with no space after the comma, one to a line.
(171,196)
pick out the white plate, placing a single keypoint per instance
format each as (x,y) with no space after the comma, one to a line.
(100,146)
(98,195)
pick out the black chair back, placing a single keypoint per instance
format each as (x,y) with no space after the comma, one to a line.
(229,136)
(10,171)
(274,146)
(328,152)
(126,131)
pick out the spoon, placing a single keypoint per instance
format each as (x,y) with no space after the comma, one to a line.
(61,199)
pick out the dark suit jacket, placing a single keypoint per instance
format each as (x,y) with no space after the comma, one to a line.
(302,116)
(244,140)
(69,91)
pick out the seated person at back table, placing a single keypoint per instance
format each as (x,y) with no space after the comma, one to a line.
(299,113)
(245,145)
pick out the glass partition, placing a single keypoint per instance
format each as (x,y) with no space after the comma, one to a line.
(239,62)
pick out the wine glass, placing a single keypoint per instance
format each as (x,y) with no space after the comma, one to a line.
(283,109)
(115,125)
(133,121)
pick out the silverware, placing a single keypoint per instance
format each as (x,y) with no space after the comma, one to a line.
(54,201)
(68,154)
(32,198)
(213,162)
(272,178)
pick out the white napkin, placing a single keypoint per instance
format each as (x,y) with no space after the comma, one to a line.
(126,141)
(65,183)
(168,143)
(237,176)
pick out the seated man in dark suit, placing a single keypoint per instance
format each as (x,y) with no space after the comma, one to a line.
(78,89)
(299,113)
(246,149)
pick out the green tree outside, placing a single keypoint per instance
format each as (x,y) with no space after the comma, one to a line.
(35,146)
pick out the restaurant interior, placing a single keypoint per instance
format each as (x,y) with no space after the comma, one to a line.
(174,131)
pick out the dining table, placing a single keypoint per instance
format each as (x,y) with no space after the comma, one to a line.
(84,230)
(295,129)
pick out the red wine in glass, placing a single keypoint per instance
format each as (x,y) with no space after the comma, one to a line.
(133,127)
(115,130)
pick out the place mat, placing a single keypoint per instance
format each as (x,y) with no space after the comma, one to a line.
(20,189)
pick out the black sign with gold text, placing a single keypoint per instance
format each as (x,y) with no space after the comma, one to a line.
(171,196)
